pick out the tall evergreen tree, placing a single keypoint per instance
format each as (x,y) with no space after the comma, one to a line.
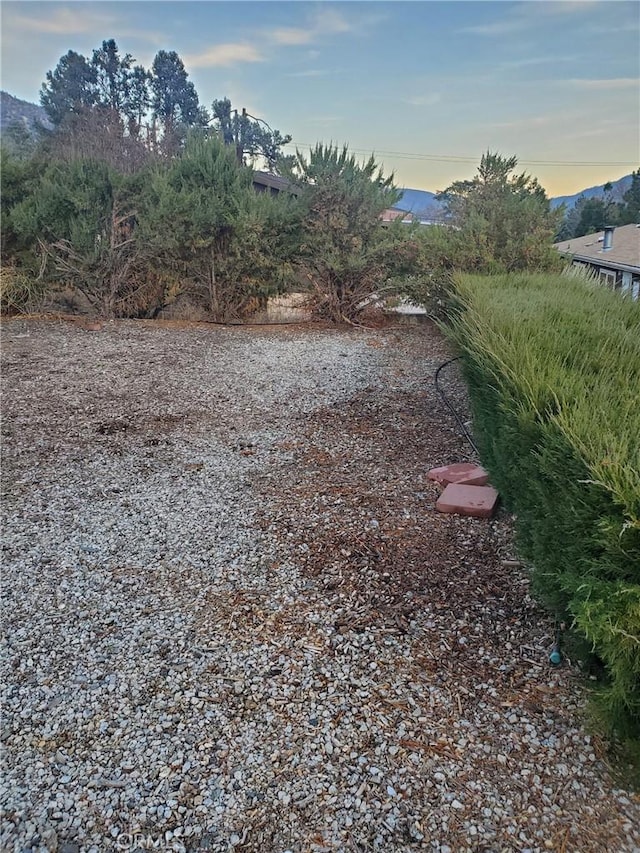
(70,88)
(250,137)
(113,76)
(139,97)
(108,83)
(593,214)
(174,99)
(630,211)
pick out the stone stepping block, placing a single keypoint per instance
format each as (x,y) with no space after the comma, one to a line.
(478,501)
(465,473)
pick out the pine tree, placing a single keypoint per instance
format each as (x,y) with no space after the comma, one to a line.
(342,241)
(250,137)
(113,77)
(505,219)
(70,88)
(193,215)
(174,99)
(630,212)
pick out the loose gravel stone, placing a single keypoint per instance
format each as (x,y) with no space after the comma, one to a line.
(233,619)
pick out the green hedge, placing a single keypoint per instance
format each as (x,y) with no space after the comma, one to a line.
(553,368)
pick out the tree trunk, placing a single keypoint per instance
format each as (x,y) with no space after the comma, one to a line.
(214,296)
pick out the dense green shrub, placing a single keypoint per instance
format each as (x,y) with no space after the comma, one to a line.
(553,366)
(343,250)
(498,222)
(201,218)
(80,218)
(131,244)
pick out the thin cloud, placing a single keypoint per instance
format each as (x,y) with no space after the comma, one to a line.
(290,36)
(331,21)
(527,13)
(225,55)
(536,60)
(424,100)
(63,21)
(325,22)
(312,72)
(497,28)
(607,83)
(567,7)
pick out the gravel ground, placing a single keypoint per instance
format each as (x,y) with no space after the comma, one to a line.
(233,620)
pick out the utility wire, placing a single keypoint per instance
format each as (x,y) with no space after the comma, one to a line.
(441,158)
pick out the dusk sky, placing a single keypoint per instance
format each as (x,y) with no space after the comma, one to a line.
(426,86)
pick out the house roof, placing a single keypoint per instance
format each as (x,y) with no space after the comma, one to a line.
(266,179)
(393,213)
(623,254)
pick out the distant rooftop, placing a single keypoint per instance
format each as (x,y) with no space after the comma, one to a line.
(267,181)
(623,254)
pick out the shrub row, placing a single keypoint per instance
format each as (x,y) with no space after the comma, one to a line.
(553,368)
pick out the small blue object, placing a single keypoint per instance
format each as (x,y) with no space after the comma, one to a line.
(555,657)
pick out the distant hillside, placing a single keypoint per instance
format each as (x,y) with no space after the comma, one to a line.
(13,111)
(424,205)
(618,189)
(421,203)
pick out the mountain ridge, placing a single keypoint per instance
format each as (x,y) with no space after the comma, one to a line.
(617,191)
(15,111)
(424,203)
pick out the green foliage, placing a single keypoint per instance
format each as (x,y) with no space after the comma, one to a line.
(630,211)
(553,365)
(80,218)
(20,177)
(200,216)
(506,219)
(98,107)
(342,251)
(101,106)
(121,86)
(174,99)
(111,96)
(112,75)
(590,215)
(69,88)
(499,223)
(250,138)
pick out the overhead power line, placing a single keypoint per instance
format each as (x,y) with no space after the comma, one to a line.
(442,158)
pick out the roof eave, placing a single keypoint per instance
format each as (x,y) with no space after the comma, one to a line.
(602,262)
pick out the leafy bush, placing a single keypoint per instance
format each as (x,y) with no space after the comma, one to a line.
(80,216)
(343,250)
(498,222)
(553,366)
(200,218)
